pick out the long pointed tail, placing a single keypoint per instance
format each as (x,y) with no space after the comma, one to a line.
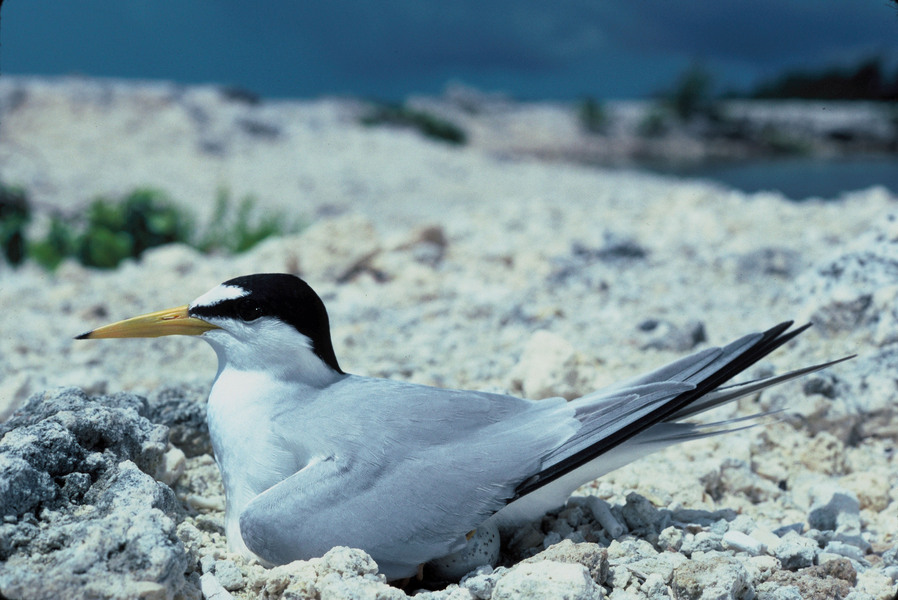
(681,389)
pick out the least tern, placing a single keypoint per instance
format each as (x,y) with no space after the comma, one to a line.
(312,457)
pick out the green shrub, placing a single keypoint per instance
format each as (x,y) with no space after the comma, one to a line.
(239,232)
(111,231)
(592,116)
(56,245)
(429,125)
(781,142)
(15,213)
(691,96)
(654,124)
(115,231)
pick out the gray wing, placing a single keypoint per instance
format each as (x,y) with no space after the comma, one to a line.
(414,470)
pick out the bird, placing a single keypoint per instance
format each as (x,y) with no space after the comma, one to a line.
(312,457)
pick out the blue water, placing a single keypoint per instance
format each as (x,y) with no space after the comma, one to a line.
(803,178)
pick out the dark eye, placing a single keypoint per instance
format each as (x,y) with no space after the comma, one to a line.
(248,310)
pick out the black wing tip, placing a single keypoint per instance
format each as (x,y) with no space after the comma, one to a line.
(784,331)
(769,341)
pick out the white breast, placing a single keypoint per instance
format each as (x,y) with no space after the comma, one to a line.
(251,458)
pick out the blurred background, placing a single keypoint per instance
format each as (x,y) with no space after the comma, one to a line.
(797,96)
(395,48)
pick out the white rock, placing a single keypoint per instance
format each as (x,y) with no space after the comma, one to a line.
(212,589)
(351,561)
(877,584)
(760,568)
(740,542)
(717,577)
(173,464)
(795,551)
(547,579)
(548,367)
(765,536)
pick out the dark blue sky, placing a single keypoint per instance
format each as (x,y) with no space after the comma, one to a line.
(392,48)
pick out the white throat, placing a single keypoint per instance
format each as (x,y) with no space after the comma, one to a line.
(276,351)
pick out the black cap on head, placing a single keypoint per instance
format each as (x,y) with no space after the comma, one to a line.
(285,297)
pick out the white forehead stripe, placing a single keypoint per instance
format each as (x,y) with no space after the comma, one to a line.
(219,294)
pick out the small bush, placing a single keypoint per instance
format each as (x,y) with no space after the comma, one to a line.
(691,96)
(239,232)
(115,231)
(15,213)
(429,125)
(781,142)
(592,116)
(58,244)
(654,124)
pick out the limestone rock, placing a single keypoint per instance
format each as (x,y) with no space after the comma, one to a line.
(721,577)
(547,579)
(549,366)
(83,518)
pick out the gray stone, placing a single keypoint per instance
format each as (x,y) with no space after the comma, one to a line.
(834,579)
(834,510)
(795,551)
(228,575)
(719,577)
(119,542)
(703,541)
(639,513)
(786,592)
(183,410)
(95,523)
(779,262)
(688,516)
(664,564)
(890,557)
(601,512)
(846,550)
(655,334)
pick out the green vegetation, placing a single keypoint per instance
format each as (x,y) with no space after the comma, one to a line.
(655,123)
(688,99)
(592,115)
(427,124)
(111,231)
(15,213)
(240,231)
(118,230)
(56,245)
(865,81)
(691,95)
(779,142)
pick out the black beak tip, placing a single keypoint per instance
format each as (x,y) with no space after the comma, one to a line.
(84,335)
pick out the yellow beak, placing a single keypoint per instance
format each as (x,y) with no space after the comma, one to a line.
(172,321)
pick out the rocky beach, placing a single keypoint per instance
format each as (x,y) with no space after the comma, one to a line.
(480,266)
